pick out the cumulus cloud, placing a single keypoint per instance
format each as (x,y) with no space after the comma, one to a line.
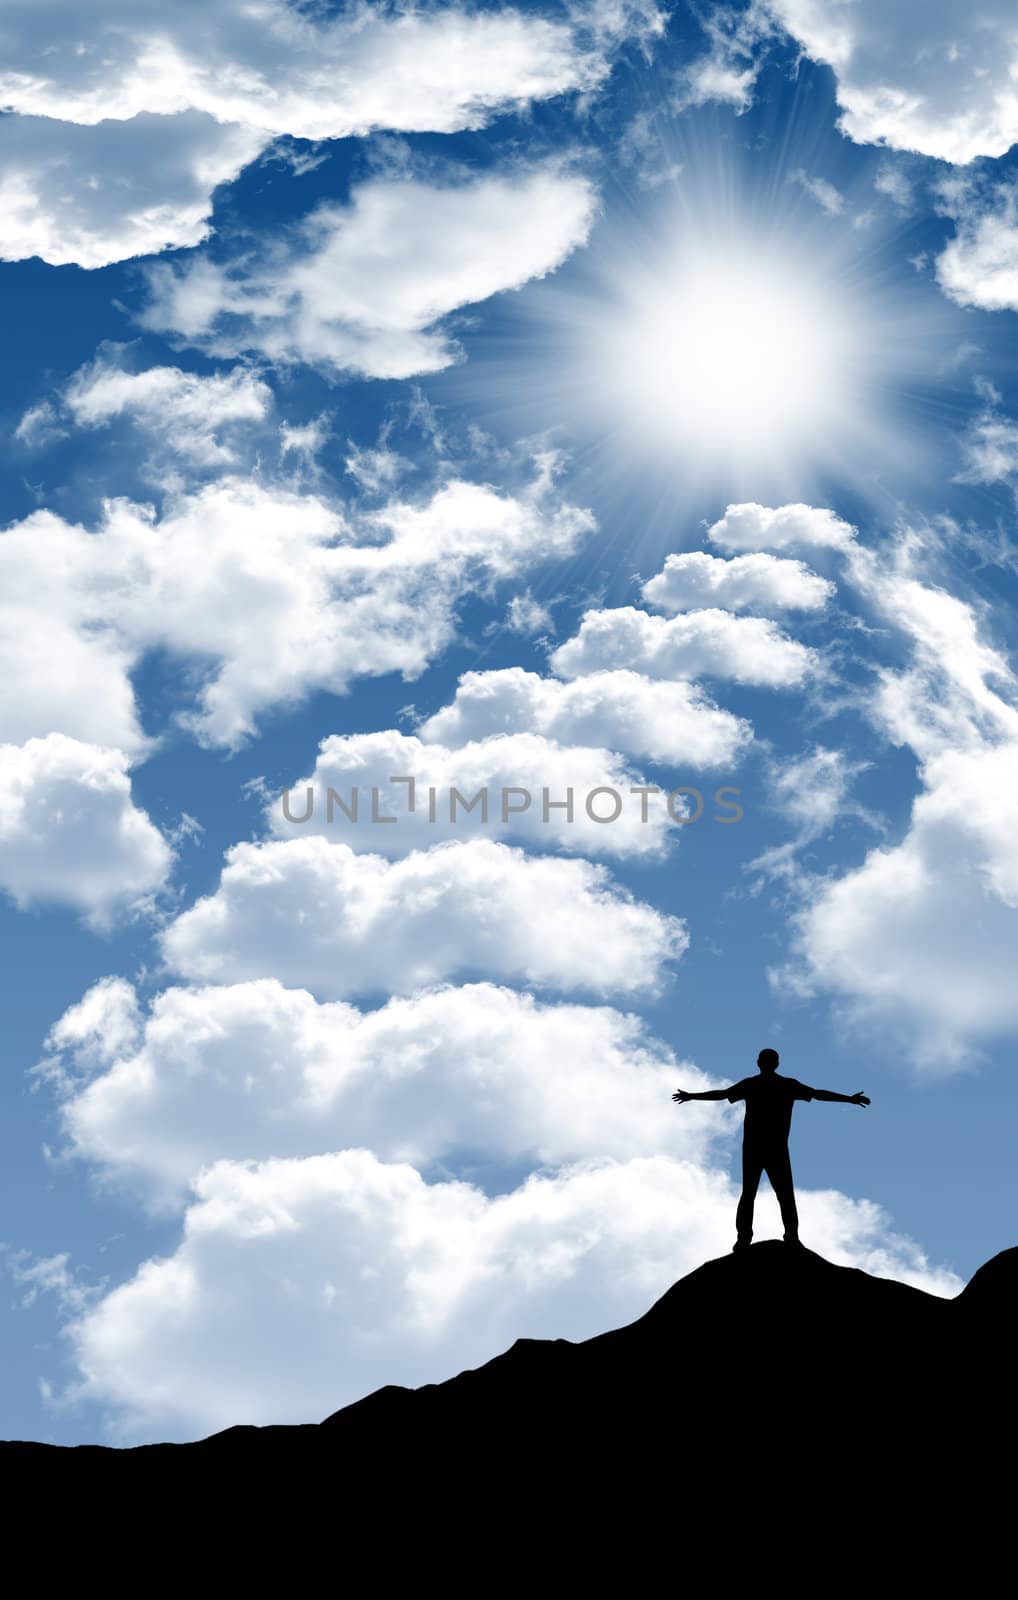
(70,833)
(320,916)
(922,935)
(694,644)
(285,70)
(528,616)
(104,1024)
(357,1273)
(759,580)
(727,70)
(751,526)
(925,934)
(186,419)
(92,195)
(271,593)
(128,118)
(361,287)
(958,692)
(58,673)
(917,75)
(979,266)
(640,716)
(989,448)
(482,1076)
(190,409)
(812,791)
(523,781)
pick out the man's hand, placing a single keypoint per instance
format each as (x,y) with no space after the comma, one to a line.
(859,1099)
(682,1095)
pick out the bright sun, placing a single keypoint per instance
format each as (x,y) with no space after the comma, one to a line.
(712,354)
(727,358)
(736,358)
(723,339)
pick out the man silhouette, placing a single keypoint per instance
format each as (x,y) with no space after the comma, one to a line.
(769,1101)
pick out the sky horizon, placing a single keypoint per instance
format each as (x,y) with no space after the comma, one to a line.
(606,408)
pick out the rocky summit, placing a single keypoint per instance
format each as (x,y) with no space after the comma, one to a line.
(768,1389)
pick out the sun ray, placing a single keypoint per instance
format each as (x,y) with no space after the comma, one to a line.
(724,337)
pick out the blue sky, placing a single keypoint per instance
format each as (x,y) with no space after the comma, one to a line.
(564,397)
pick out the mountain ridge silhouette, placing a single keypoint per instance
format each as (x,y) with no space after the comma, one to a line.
(774,1374)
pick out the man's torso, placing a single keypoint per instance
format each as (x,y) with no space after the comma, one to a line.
(769,1100)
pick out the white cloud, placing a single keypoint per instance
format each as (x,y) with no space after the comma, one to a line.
(197,419)
(129,117)
(59,673)
(694,644)
(304,440)
(357,1273)
(481,1076)
(70,833)
(613,21)
(979,266)
(40,426)
(727,70)
(51,1275)
(959,691)
(892,180)
(190,409)
(319,916)
(758,580)
(361,765)
(811,790)
(378,470)
(272,593)
(643,717)
(284,71)
(922,936)
(361,287)
(93,195)
(990,448)
(919,75)
(751,526)
(642,148)
(104,1024)
(526,615)
(827,197)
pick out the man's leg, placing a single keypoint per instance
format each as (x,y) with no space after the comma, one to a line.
(778,1167)
(752,1166)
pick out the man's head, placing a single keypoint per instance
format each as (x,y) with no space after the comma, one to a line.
(767,1060)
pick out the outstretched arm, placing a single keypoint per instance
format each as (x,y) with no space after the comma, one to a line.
(857,1099)
(682,1095)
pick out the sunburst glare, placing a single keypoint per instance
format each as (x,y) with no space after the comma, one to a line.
(722,339)
(737,357)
